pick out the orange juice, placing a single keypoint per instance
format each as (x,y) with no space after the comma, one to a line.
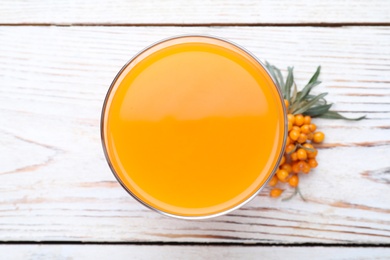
(193,126)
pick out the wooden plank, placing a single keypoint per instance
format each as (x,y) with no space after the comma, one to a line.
(186,252)
(193,12)
(56,185)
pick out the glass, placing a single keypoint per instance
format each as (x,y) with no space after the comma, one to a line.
(193,126)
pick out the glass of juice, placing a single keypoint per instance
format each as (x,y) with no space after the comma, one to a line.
(193,126)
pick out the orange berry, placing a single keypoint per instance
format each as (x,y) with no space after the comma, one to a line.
(293,181)
(307,145)
(312,163)
(302,138)
(290,125)
(282,175)
(286,103)
(310,136)
(274,180)
(294,134)
(312,127)
(318,137)
(274,193)
(288,141)
(295,167)
(294,156)
(301,153)
(301,165)
(296,128)
(290,148)
(287,167)
(307,120)
(305,129)
(299,120)
(312,155)
(306,167)
(291,118)
(283,160)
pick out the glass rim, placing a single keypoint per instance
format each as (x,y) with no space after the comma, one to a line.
(228,210)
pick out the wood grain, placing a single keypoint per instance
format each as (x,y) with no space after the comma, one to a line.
(194,12)
(56,185)
(97,252)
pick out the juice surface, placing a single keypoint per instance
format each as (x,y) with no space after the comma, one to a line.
(193,126)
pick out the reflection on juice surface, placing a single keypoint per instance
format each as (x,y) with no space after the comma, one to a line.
(193,126)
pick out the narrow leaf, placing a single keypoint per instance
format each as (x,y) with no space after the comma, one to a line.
(318,110)
(271,70)
(335,115)
(315,76)
(309,104)
(289,83)
(294,95)
(280,76)
(306,90)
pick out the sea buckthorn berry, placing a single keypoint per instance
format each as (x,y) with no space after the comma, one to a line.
(294,156)
(305,129)
(273,181)
(312,127)
(306,120)
(307,145)
(290,148)
(287,167)
(288,141)
(283,160)
(282,175)
(318,137)
(296,128)
(301,165)
(306,167)
(295,167)
(291,118)
(274,193)
(312,155)
(302,138)
(290,125)
(286,103)
(310,136)
(312,163)
(293,181)
(299,120)
(301,153)
(294,134)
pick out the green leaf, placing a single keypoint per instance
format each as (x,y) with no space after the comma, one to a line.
(335,115)
(289,83)
(281,80)
(318,110)
(271,70)
(306,90)
(294,95)
(315,76)
(309,104)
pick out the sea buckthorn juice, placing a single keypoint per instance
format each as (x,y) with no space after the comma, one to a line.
(193,126)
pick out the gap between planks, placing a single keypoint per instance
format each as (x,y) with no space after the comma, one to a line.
(201,24)
(259,244)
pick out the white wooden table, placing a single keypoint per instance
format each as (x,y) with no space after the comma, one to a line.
(58,198)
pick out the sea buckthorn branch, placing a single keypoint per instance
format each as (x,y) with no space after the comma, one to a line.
(302,106)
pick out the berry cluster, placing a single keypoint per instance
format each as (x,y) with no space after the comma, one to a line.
(300,154)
